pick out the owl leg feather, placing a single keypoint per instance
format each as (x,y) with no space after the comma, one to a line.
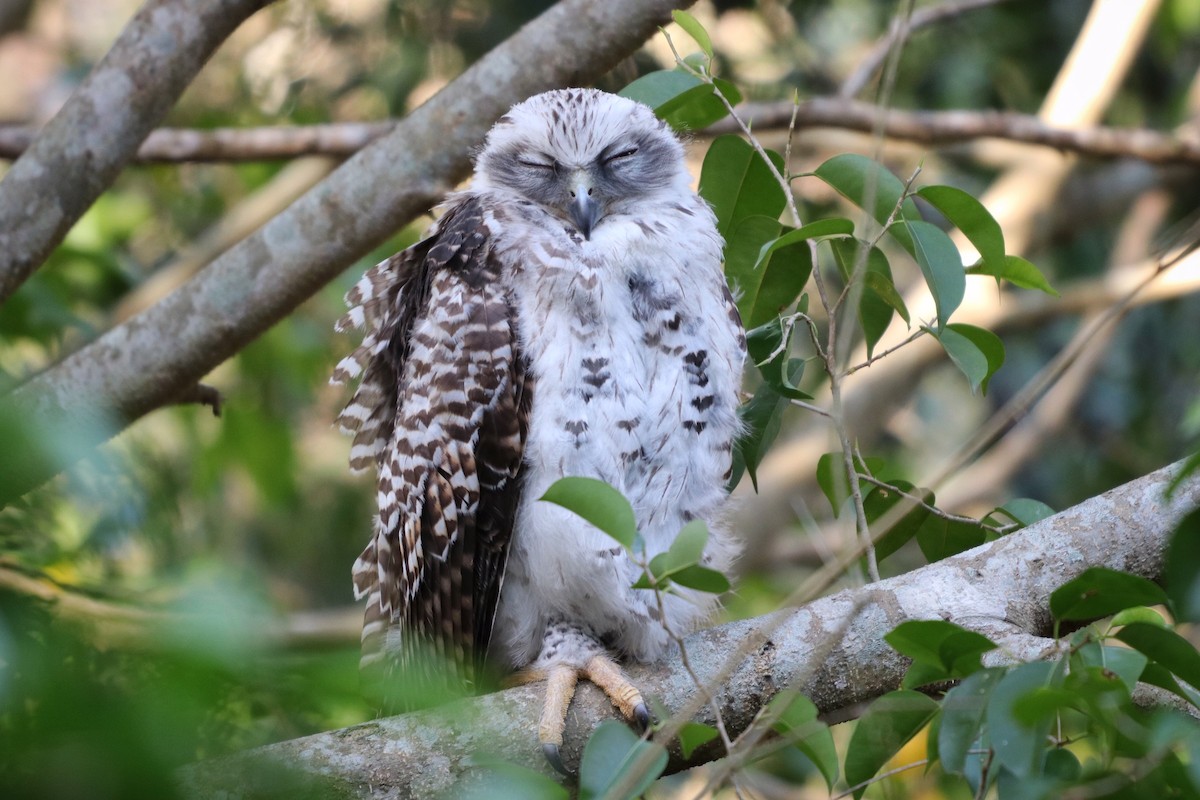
(568,654)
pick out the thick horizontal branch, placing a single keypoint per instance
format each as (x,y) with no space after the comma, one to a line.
(1000,589)
(87,143)
(343,139)
(153,357)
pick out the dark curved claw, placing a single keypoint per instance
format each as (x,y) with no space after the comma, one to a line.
(550,751)
(641,716)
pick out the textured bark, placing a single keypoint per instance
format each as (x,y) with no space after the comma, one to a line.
(1000,589)
(87,143)
(150,359)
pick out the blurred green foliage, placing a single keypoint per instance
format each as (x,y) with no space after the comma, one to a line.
(227,525)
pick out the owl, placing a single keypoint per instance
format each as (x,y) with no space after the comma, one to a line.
(566,316)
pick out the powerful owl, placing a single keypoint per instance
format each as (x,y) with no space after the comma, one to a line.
(566,316)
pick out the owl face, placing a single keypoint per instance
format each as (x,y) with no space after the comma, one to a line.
(582,154)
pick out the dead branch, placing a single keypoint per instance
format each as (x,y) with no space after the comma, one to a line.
(1000,589)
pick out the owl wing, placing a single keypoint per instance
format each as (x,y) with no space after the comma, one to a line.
(442,411)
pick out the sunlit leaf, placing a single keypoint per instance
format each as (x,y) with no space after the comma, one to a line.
(694,29)
(1016,271)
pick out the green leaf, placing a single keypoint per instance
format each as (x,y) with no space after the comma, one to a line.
(880,502)
(694,734)
(742,267)
(1019,747)
(1016,271)
(682,100)
(977,352)
(1139,614)
(1165,647)
(737,183)
(599,504)
(782,277)
(771,355)
(694,29)
(703,579)
(864,182)
(962,718)
(796,720)
(941,265)
(886,727)
(833,480)
(1123,662)
(1158,675)
(1026,511)
(941,538)
(969,359)
(689,544)
(609,754)
(1099,592)
(834,226)
(761,419)
(503,780)
(969,216)
(951,651)
(879,296)
(1183,568)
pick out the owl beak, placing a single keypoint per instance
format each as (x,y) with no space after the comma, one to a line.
(583,209)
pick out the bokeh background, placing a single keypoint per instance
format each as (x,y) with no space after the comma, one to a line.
(185,591)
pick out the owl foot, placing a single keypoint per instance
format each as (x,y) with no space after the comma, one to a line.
(560,688)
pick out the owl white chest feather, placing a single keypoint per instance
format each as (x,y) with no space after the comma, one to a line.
(635,365)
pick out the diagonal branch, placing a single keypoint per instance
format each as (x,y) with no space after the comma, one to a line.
(148,360)
(1000,589)
(81,151)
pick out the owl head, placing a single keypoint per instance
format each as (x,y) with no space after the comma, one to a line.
(581,154)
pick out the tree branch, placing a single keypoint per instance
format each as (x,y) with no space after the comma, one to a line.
(931,128)
(1000,589)
(87,143)
(148,360)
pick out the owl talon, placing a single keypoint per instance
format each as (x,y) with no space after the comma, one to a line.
(550,751)
(641,717)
